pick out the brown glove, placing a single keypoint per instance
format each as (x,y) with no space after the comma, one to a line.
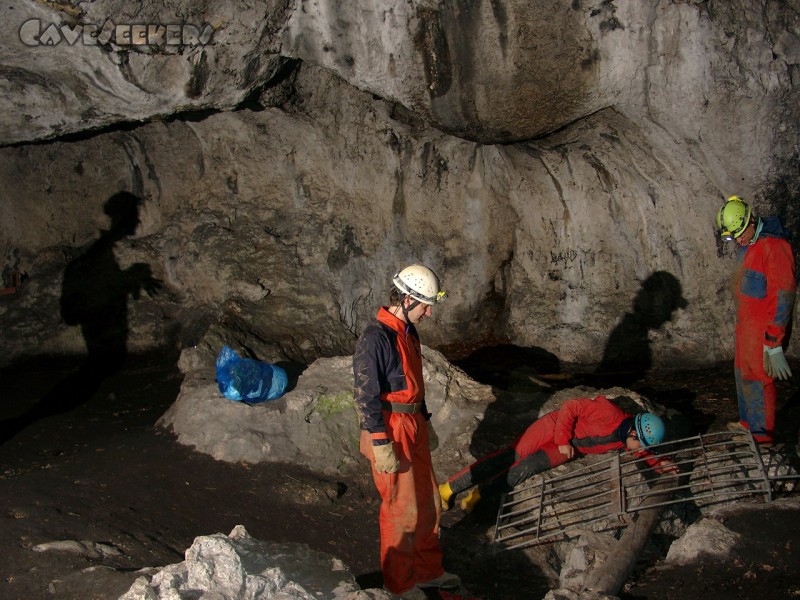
(385,459)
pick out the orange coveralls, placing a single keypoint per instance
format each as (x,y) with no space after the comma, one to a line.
(387,365)
(765,294)
(591,425)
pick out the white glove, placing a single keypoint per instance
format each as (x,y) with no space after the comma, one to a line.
(385,459)
(433,439)
(776,365)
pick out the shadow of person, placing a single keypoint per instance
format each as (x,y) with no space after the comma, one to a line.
(787,418)
(628,356)
(94,295)
(487,569)
(513,372)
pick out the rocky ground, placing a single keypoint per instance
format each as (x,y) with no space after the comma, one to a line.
(101,473)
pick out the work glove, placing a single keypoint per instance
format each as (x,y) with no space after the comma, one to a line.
(433,439)
(470,500)
(385,459)
(775,363)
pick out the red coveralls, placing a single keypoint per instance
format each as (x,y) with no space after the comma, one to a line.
(591,425)
(387,365)
(765,291)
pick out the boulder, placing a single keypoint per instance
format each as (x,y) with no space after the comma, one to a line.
(240,566)
(315,424)
(707,538)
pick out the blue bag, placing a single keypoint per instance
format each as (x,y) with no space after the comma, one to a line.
(248,380)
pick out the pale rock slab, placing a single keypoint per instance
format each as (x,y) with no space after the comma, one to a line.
(242,567)
(708,538)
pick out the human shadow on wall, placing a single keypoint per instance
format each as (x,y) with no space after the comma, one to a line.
(94,296)
(628,356)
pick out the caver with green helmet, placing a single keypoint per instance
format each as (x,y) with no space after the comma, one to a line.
(764,286)
(733,218)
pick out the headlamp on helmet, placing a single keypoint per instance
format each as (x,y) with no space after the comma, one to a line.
(419,282)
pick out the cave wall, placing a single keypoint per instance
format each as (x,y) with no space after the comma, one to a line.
(551,165)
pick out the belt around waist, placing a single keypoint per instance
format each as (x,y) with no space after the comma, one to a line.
(402,407)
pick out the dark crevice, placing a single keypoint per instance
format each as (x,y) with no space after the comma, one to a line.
(285,72)
(121,126)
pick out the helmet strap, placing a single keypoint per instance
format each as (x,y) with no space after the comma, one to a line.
(410,307)
(759,225)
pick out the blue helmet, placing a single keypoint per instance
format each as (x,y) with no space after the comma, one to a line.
(649,428)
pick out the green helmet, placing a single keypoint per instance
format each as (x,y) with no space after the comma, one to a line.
(733,218)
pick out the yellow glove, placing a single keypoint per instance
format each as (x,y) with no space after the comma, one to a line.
(385,459)
(470,500)
(433,439)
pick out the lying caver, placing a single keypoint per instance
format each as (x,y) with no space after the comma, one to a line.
(583,425)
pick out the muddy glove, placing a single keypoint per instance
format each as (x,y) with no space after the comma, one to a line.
(433,439)
(775,363)
(385,459)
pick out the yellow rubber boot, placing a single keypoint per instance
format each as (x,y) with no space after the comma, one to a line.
(470,500)
(446,493)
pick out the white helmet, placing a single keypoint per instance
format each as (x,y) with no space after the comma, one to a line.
(420,283)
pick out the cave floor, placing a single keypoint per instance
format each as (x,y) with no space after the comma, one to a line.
(101,472)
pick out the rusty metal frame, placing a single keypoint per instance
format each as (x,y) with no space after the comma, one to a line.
(604,494)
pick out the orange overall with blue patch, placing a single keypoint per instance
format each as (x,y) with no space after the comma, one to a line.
(765,293)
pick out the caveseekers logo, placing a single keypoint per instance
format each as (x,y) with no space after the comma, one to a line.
(36,33)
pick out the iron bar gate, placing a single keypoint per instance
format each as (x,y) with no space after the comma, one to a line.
(715,468)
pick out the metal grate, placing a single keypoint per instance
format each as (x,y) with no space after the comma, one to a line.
(715,468)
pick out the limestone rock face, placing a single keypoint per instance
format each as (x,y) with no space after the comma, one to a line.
(71,67)
(293,223)
(484,70)
(327,145)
